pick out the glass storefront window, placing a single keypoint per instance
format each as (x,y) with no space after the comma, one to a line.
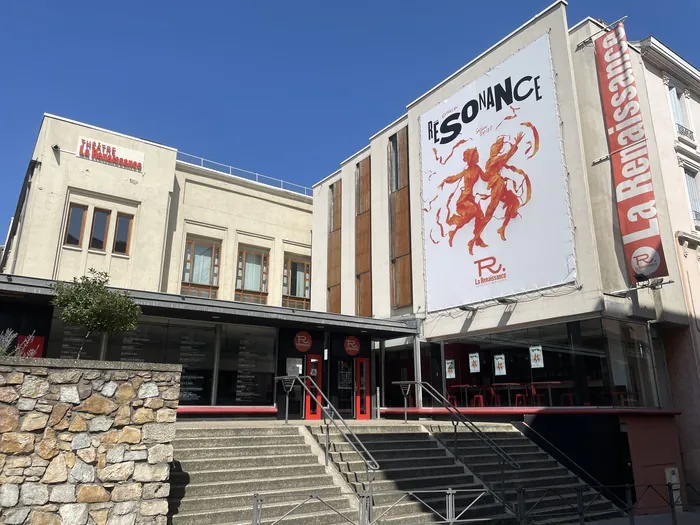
(246,366)
(193,348)
(398,366)
(584,363)
(634,382)
(146,344)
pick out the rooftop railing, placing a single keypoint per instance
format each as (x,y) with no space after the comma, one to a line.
(253,176)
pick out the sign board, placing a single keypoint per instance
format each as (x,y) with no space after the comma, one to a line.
(303,341)
(499,365)
(34,348)
(351,345)
(109,154)
(629,157)
(474,363)
(494,186)
(450,372)
(536,357)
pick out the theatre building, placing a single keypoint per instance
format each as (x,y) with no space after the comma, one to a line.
(218,258)
(536,213)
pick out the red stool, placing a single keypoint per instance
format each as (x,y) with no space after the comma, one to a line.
(452,399)
(520,399)
(478,400)
(537,399)
(495,398)
(568,399)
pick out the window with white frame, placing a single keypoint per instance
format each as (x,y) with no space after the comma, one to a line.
(691,179)
(679,110)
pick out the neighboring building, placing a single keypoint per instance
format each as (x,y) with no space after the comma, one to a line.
(488,213)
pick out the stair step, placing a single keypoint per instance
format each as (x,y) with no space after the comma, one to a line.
(193,452)
(236,441)
(398,474)
(370,429)
(415,462)
(248,486)
(390,455)
(233,431)
(249,473)
(223,463)
(416,483)
(386,445)
(327,517)
(207,502)
(223,514)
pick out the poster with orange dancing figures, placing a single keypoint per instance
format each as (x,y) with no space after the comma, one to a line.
(494,186)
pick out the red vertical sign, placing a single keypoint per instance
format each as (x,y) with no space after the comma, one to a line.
(627,143)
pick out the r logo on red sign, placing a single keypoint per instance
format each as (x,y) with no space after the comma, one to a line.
(303,341)
(352,345)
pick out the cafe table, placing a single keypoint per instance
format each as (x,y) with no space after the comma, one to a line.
(509,386)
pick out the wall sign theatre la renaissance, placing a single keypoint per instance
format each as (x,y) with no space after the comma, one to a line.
(495,201)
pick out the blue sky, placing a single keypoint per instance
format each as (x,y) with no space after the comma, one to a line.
(288,89)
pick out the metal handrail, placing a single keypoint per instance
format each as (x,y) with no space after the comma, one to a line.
(196,160)
(458,417)
(332,413)
(571,462)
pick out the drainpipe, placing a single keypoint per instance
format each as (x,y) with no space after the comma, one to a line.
(417,369)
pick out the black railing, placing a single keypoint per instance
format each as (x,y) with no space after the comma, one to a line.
(685,132)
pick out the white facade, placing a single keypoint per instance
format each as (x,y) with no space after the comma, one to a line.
(171,201)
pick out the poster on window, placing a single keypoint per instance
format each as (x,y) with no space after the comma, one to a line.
(499,365)
(450,372)
(474,363)
(494,186)
(536,357)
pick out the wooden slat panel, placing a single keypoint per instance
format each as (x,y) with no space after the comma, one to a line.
(402,284)
(338,205)
(400,223)
(363,295)
(363,244)
(334,299)
(334,258)
(403,157)
(364,196)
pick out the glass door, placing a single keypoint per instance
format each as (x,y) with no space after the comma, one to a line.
(344,388)
(363,400)
(315,371)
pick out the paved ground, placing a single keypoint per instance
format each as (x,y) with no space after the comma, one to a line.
(684,518)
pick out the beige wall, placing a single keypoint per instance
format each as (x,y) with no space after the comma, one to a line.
(169,200)
(237,213)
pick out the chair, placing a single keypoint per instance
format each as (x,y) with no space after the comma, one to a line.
(495,398)
(537,399)
(521,399)
(478,400)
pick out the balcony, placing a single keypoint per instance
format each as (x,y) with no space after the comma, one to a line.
(299,303)
(249,296)
(696,218)
(685,132)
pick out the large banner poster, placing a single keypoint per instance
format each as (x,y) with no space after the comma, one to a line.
(634,193)
(495,204)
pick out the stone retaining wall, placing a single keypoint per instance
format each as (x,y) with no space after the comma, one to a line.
(86,442)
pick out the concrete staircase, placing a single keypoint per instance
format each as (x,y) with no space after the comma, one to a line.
(219,466)
(550,489)
(410,460)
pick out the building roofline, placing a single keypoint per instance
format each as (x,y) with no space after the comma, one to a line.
(97,128)
(15,284)
(587,19)
(666,59)
(356,154)
(327,177)
(469,64)
(402,117)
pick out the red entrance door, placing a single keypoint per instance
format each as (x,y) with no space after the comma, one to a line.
(363,400)
(315,370)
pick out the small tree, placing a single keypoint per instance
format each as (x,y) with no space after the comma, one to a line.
(89,303)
